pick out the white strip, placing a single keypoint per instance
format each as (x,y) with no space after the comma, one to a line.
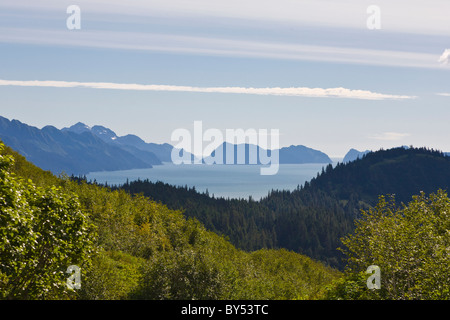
(274,91)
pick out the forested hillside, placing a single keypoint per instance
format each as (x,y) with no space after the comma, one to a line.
(311,219)
(400,171)
(310,223)
(131,247)
(128,247)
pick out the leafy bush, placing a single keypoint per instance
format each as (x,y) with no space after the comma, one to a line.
(411,246)
(42,232)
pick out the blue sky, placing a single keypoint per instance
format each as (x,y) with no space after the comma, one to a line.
(312,69)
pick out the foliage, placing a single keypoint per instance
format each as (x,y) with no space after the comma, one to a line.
(142,249)
(352,286)
(115,274)
(312,218)
(309,223)
(410,244)
(42,232)
(131,247)
(291,276)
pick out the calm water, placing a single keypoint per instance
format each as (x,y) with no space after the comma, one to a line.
(234,181)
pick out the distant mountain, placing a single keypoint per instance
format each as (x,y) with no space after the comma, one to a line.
(162,151)
(287,155)
(80,149)
(302,154)
(110,137)
(151,152)
(103,133)
(354,154)
(221,154)
(78,128)
(76,151)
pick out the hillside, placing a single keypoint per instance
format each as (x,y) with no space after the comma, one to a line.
(400,171)
(131,247)
(312,218)
(128,247)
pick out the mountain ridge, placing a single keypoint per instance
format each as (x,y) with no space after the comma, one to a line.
(63,151)
(132,143)
(80,149)
(294,154)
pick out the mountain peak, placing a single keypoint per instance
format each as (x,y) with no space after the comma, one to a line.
(104,133)
(79,127)
(354,154)
(79,124)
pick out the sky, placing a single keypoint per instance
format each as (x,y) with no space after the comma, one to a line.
(331,75)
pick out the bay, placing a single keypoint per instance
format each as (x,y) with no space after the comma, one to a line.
(228,181)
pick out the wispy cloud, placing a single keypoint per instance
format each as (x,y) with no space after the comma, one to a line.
(390,136)
(443,94)
(274,91)
(400,16)
(216,46)
(445,57)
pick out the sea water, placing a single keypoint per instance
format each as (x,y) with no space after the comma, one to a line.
(228,181)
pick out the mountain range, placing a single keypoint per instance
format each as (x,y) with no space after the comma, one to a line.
(152,152)
(80,149)
(251,154)
(74,150)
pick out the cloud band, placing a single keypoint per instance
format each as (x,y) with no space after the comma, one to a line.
(273,91)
